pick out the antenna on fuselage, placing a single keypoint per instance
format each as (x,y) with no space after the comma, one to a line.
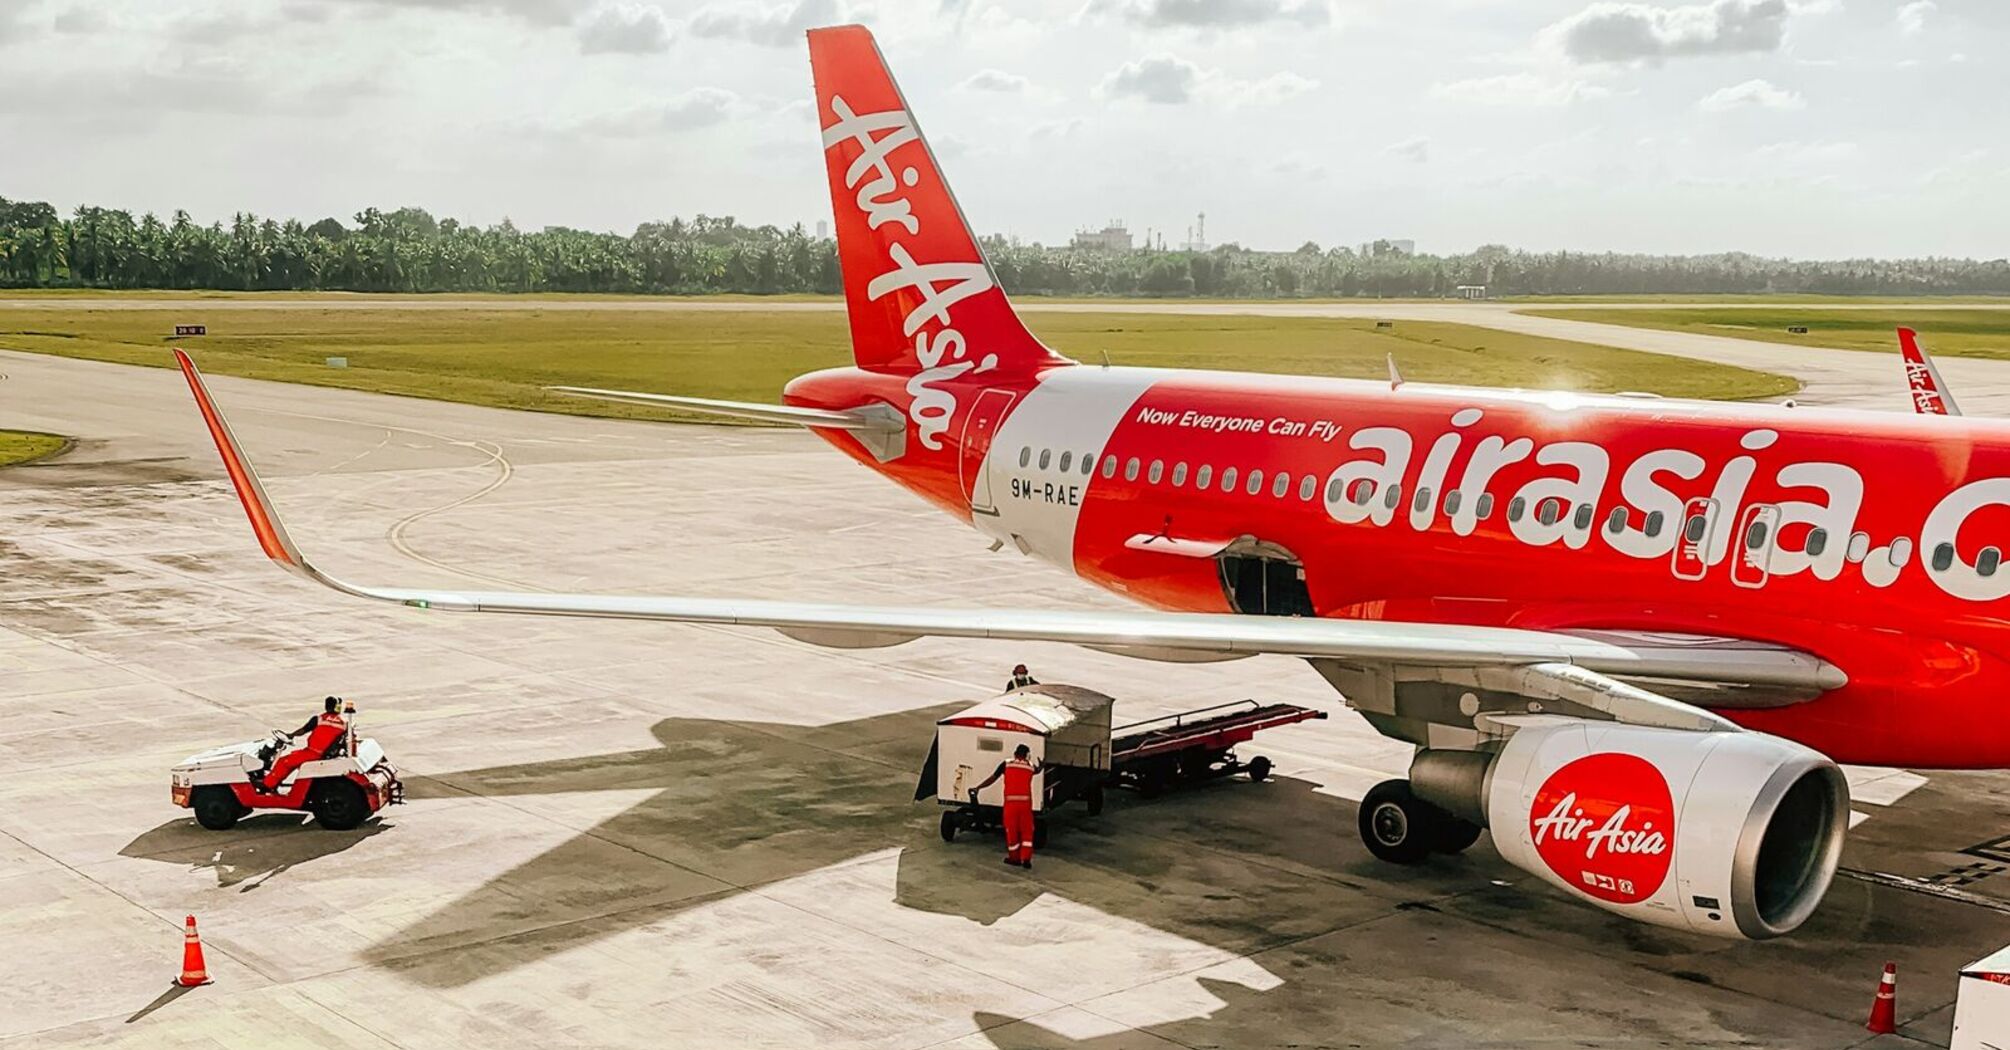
(1395,377)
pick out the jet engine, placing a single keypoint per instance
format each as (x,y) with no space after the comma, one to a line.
(1731,834)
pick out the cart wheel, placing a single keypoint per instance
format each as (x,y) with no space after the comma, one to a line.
(949,826)
(216,808)
(1258,769)
(338,805)
(1095,800)
(1039,834)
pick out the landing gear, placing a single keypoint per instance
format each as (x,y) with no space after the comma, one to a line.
(1403,829)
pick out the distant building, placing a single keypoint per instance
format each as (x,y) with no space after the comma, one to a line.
(1111,238)
(1471,291)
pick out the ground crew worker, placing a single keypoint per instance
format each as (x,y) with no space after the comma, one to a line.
(1018,772)
(1020,679)
(322,731)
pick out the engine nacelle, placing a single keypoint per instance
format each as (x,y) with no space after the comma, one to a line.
(1732,834)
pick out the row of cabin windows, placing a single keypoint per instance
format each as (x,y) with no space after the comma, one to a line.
(1548,511)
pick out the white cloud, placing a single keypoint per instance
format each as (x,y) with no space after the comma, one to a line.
(1171,80)
(1761,94)
(1416,149)
(994,80)
(1633,32)
(1219,14)
(541,12)
(782,26)
(1517,89)
(1912,17)
(694,109)
(84,20)
(629,29)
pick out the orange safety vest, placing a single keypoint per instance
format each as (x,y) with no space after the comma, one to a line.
(328,728)
(1018,781)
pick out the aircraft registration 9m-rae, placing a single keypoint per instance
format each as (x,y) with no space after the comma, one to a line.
(1630,636)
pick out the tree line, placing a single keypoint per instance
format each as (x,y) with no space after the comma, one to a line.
(408,250)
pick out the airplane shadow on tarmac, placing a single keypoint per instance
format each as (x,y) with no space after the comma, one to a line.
(249,855)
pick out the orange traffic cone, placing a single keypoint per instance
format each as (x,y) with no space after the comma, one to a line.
(1885,1006)
(192,970)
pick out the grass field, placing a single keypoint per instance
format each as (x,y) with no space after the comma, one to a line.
(19,446)
(505,358)
(1972,333)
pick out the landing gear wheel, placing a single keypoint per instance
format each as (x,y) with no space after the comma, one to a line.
(949,826)
(338,805)
(216,808)
(1396,825)
(1258,769)
(1455,835)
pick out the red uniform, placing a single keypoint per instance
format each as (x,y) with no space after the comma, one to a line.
(327,729)
(1018,810)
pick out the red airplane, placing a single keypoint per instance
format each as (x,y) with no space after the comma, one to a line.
(1630,636)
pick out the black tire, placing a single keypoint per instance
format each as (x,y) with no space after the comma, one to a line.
(1455,835)
(1095,800)
(216,807)
(1396,826)
(949,825)
(1258,769)
(338,805)
(1039,834)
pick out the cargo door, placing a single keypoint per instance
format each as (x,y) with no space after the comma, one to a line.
(978,429)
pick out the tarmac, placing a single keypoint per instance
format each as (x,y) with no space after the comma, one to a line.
(626,834)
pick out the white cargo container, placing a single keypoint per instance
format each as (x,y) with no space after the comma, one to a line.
(1066,727)
(1982,1004)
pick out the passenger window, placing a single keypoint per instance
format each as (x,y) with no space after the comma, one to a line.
(1025,455)
(1655,519)
(1483,508)
(1131,469)
(1582,519)
(1046,456)
(1364,490)
(1179,474)
(1986,561)
(1943,557)
(1109,466)
(1452,502)
(1088,464)
(1307,488)
(1901,552)
(1335,491)
(1203,476)
(1755,537)
(1692,530)
(1859,547)
(1421,500)
(1818,541)
(1616,522)
(1394,497)
(1255,483)
(1158,471)
(1066,458)
(1515,508)
(1549,511)
(1280,485)
(1228,479)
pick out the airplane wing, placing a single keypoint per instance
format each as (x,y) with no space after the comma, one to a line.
(1571,669)
(1929,394)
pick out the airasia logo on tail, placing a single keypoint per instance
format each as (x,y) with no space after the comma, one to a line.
(1605,823)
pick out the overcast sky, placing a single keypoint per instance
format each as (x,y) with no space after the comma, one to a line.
(1816,128)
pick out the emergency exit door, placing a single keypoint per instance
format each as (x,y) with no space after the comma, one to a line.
(1692,545)
(978,430)
(1757,537)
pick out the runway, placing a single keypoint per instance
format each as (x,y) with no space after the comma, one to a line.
(634,834)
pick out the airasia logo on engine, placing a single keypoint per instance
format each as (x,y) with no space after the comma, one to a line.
(1606,824)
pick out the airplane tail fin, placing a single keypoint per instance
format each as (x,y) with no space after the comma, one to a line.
(921,296)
